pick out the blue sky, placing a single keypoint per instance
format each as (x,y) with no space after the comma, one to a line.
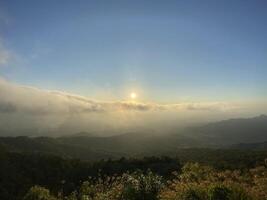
(166,51)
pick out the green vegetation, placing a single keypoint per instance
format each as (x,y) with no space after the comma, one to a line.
(195,182)
(189,144)
(199,174)
(131,146)
(18,172)
(131,167)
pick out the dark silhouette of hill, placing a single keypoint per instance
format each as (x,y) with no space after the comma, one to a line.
(250,146)
(95,148)
(53,146)
(213,135)
(232,131)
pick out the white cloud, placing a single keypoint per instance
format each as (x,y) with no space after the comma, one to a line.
(31,111)
(16,98)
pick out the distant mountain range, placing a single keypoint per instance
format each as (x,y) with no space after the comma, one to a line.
(233,133)
(250,146)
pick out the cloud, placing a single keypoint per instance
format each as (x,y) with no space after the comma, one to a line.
(30,100)
(32,111)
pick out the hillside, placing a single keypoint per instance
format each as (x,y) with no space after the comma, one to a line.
(232,131)
(214,135)
(251,146)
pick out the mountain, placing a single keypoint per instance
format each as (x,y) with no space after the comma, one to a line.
(213,135)
(250,146)
(232,131)
(53,146)
(133,143)
(95,148)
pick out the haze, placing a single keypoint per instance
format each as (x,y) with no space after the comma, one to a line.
(129,66)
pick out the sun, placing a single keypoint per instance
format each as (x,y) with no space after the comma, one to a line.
(133,95)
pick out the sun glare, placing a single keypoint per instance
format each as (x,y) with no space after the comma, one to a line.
(133,95)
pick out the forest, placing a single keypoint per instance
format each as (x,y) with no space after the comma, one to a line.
(139,166)
(190,175)
(195,182)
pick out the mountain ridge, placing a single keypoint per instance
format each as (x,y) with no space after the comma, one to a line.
(222,134)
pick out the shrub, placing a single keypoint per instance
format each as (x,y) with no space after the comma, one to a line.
(197,182)
(38,193)
(238,193)
(141,187)
(194,172)
(191,194)
(219,192)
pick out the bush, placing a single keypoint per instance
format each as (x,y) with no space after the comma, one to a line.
(38,193)
(196,183)
(238,193)
(219,192)
(194,172)
(191,194)
(141,187)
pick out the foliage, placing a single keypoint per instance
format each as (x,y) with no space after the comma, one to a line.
(191,193)
(219,192)
(196,182)
(126,179)
(18,172)
(138,186)
(38,193)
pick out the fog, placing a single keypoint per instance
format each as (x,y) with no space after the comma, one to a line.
(31,111)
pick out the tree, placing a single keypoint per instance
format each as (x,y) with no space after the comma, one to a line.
(38,193)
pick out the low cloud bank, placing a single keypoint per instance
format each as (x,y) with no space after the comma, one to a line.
(31,111)
(28,100)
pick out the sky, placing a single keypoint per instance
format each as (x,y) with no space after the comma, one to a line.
(199,55)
